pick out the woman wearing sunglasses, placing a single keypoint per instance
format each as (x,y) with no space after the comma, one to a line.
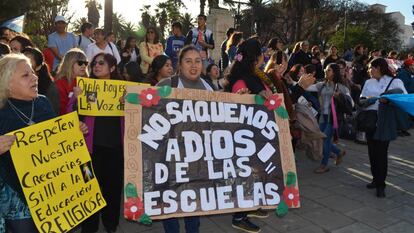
(149,49)
(74,65)
(104,142)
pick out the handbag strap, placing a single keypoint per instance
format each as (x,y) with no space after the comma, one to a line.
(389,84)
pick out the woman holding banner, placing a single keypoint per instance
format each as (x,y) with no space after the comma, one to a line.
(190,67)
(105,145)
(74,64)
(20,106)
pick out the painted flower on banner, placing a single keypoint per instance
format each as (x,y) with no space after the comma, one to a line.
(149,97)
(273,102)
(134,208)
(291,196)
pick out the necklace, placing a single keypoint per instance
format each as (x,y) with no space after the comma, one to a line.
(29,120)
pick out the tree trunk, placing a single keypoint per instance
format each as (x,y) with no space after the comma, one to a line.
(202,6)
(108,15)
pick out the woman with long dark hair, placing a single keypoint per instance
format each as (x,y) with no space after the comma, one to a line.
(130,52)
(161,68)
(332,87)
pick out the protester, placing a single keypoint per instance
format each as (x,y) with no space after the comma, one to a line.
(110,37)
(332,57)
(85,38)
(132,72)
(378,138)
(149,49)
(406,74)
(105,144)
(60,41)
(190,67)
(18,43)
(235,39)
(329,90)
(130,52)
(316,61)
(161,68)
(359,74)
(46,86)
(224,61)
(102,46)
(6,33)
(175,43)
(202,38)
(213,74)
(74,64)
(358,51)
(20,106)
(302,56)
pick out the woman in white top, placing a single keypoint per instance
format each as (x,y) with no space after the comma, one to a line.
(381,78)
(331,87)
(102,46)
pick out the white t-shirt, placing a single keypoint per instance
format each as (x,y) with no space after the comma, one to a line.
(93,49)
(374,88)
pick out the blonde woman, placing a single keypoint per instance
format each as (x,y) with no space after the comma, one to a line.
(74,65)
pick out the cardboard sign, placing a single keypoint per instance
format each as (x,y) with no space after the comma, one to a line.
(56,174)
(101,97)
(194,152)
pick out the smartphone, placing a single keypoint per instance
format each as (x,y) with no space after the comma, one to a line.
(279,57)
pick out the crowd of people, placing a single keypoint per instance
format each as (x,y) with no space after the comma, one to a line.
(322,93)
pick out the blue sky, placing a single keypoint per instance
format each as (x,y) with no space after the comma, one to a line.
(404,6)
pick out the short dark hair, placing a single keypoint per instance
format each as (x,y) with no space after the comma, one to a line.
(341,62)
(310,68)
(177,25)
(99,31)
(24,41)
(86,26)
(201,15)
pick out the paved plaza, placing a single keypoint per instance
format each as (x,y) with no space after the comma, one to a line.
(336,201)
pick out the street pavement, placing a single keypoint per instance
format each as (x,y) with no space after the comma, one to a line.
(336,201)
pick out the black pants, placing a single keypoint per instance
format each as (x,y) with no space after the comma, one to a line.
(108,165)
(378,158)
(21,226)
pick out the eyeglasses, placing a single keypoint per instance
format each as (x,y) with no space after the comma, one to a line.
(80,63)
(101,62)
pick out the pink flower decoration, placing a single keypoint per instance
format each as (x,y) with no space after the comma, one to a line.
(149,97)
(273,102)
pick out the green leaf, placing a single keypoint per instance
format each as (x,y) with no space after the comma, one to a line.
(259,99)
(145,219)
(164,91)
(282,209)
(282,113)
(132,98)
(131,190)
(291,179)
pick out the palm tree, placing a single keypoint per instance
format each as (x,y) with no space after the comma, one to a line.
(187,22)
(93,11)
(118,24)
(202,6)
(297,9)
(78,23)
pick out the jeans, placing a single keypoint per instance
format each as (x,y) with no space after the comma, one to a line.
(328,146)
(172,225)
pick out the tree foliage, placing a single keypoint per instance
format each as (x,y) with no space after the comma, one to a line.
(93,11)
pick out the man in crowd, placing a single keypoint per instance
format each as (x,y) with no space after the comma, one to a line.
(202,38)
(175,43)
(85,38)
(60,41)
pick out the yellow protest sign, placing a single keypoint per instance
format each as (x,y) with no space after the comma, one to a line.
(102,97)
(56,174)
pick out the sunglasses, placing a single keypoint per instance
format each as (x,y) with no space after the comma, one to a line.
(101,62)
(81,63)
